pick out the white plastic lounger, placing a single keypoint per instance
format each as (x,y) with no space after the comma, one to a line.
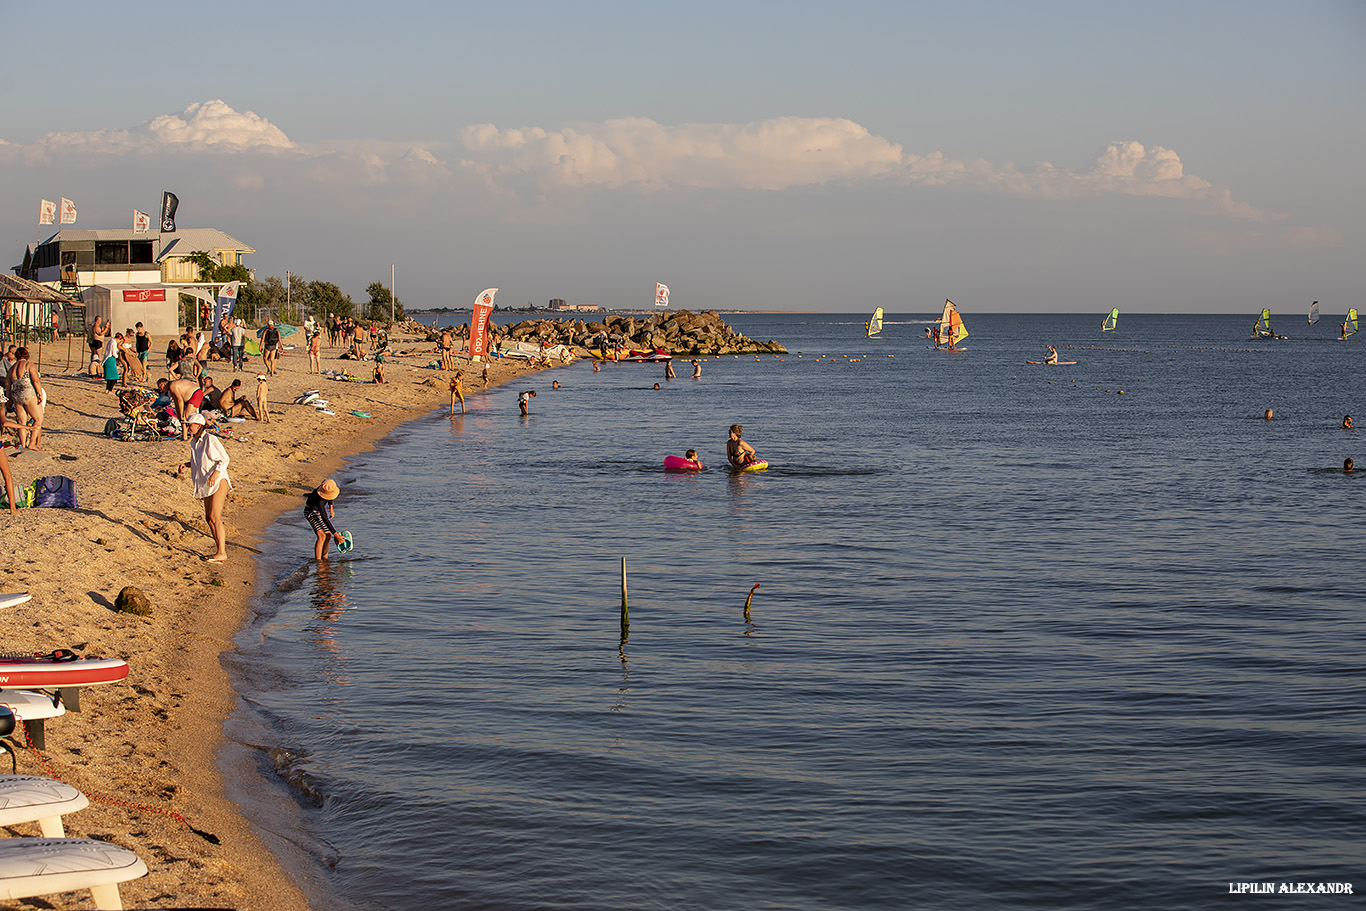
(44,866)
(28,798)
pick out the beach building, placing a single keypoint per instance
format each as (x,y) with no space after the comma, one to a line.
(128,276)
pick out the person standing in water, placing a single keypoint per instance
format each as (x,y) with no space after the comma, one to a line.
(319,513)
(668,370)
(738,452)
(458,390)
(697,370)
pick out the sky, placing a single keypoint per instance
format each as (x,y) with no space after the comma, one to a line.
(1013,156)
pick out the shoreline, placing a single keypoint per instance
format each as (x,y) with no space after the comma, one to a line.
(155,741)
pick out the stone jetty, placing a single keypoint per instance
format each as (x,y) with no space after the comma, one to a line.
(679,332)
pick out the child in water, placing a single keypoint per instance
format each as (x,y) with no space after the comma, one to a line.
(319,513)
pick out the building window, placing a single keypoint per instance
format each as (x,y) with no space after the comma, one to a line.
(140,252)
(111,253)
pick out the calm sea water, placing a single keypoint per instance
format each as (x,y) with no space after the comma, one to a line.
(1084,636)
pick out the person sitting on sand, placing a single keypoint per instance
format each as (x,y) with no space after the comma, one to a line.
(1347,422)
(378,375)
(233,403)
(319,513)
(738,451)
(1052,356)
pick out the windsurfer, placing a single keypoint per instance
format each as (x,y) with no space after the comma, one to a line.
(738,451)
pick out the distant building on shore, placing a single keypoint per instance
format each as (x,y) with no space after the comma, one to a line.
(558,304)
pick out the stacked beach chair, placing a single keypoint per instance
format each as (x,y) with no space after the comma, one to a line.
(51,863)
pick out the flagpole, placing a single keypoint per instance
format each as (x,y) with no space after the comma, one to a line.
(393,293)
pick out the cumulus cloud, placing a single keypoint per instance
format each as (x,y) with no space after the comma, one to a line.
(203,126)
(766,155)
(636,153)
(791,152)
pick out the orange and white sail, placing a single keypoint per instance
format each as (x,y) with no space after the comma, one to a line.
(951,328)
(661,295)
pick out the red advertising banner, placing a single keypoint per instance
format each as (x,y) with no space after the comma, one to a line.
(144,295)
(479,323)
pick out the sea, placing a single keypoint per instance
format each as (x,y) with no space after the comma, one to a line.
(985,634)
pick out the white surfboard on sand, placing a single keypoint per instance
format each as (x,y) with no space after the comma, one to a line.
(30,798)
(11,599)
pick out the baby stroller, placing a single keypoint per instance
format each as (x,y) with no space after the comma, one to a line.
(137,422)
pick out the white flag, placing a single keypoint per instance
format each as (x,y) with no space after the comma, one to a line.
(47,211)
(141,222)
(661,295)
(68,212)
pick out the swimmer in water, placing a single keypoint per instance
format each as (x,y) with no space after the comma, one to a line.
(738,451)
(1348,466)
(1347,422)
(1269,416)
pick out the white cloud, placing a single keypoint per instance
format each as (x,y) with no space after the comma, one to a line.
(203,126)
(767,155)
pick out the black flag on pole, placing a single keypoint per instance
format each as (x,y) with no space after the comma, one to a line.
(169,202)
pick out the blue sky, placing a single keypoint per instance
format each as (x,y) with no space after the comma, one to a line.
(1013,156)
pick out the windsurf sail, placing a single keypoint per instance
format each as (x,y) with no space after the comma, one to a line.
(874,326)
(1349,325)
(951,329)
(1110,321)
(1262,328)
(1313,313)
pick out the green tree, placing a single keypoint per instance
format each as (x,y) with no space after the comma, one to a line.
(379,306)
(325,297)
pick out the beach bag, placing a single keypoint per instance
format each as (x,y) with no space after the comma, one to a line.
(57,492)
(23,496)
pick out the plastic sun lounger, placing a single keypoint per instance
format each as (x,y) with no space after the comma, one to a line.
(43,866)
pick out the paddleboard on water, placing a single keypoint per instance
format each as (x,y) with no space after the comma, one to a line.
(346,543)
(12,599)
(56,670)
(1058,364)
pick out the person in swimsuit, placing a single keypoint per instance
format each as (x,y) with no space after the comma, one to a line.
(209,471)
(1052,356)
(668,370)
(1348,465)
(26,391)
(319,513)
(738,451)
(1347,423)
(696,370)
(458,390)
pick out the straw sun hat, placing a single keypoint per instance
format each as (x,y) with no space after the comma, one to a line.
(328,490)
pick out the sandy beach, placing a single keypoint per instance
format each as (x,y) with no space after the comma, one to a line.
(145,748)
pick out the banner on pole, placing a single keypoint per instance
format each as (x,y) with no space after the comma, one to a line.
(47,211)
(141,222)
(169,203)
(68,216)
(479,323)
(227,303)
(661,295)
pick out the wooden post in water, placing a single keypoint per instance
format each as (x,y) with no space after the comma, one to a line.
(625,612)
(750,598)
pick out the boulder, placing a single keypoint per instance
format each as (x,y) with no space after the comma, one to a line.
(133,600)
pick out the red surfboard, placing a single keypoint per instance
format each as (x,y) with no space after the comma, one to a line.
(58,669)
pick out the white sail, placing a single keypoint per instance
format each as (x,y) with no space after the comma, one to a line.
(661,295)
(1313,313)
(874,325)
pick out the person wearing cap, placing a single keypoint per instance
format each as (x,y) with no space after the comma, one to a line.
(270,346)
(318,511)
(209,471)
